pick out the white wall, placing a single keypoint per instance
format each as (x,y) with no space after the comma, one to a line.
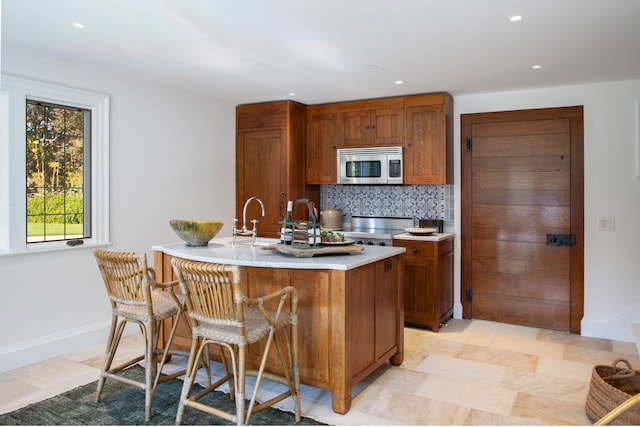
(611,189)
(171,157)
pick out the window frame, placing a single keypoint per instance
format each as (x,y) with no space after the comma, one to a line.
(13,220)
(86,180)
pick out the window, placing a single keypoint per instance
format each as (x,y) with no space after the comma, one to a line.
(57,144)
(54,169)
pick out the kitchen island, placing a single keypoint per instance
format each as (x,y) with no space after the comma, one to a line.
(350,310)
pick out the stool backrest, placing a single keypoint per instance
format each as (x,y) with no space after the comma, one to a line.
(127,278)
(212,292)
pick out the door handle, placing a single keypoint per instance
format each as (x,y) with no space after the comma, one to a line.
(561,239)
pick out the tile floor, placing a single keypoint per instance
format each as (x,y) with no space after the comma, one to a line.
(472,372)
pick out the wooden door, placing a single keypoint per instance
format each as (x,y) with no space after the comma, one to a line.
(386,301)
(386,127)
(425,161)
(522,191)
(261,171)
(312,288)
(419,289)
(322,140)
(428,157)
(354,129)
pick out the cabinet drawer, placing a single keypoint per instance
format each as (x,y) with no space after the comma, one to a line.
(418,249)
(260,121)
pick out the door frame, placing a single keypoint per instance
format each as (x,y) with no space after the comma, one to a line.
(575,115)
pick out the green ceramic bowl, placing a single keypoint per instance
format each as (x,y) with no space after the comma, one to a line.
(195,233)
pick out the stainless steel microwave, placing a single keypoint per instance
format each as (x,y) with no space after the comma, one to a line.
(372,165)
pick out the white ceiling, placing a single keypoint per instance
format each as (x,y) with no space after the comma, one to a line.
(334,50)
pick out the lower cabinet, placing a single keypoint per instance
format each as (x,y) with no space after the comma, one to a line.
(428,282)
(349,322)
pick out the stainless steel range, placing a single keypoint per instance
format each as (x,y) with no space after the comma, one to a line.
(376,230)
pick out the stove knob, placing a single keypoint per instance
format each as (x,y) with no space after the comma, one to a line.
(383,244)
(360,242)
(370,243)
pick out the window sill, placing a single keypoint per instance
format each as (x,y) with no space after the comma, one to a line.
(8,254)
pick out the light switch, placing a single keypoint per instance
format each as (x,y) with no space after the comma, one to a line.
(607,223)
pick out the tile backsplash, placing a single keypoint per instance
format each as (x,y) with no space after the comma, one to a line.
(416,201)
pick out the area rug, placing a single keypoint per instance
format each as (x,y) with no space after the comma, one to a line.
(122,404)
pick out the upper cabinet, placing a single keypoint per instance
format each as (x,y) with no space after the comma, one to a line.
(421,124)
(428,155)
(322,143)
(270,162)
(374,122)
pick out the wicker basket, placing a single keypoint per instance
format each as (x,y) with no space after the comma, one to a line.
(610,386)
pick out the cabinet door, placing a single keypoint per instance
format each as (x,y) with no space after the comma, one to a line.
(261,171)
(322,141)
(386,126)
(359,317)
(312,288)
(313,321)
(426,145)
(420,264)
(386,306)
(354,129)
(379,127)
(419,301)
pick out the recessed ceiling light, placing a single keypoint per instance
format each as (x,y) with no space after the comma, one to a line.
(78,25)
(398,82)
(292,94)
(515,18)
(372,67)
(536,67)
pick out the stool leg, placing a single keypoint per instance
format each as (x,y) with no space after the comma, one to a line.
(112,345)
(294,368)
(240,386)
(192,369)
(149,368)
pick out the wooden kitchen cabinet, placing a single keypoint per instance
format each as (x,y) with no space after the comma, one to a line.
(350,322)
(322,144)
(428,156)
(270,162)
(421,124)
(428,282)
(372,122)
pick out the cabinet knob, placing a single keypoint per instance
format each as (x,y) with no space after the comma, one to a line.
(414,250)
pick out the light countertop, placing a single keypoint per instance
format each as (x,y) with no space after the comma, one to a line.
(436,237)
(221,251)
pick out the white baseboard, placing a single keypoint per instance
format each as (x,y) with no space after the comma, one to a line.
(43,348)
(618,326)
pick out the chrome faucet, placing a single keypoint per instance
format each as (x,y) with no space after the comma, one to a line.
(244,231)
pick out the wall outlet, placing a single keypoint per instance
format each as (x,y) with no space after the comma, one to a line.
(607,223)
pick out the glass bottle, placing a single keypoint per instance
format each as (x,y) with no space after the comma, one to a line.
(313,227)
(286,232)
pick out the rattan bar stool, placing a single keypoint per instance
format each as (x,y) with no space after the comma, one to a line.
(222,315)
(136,297)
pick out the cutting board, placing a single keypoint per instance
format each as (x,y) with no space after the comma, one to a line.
(323,250)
